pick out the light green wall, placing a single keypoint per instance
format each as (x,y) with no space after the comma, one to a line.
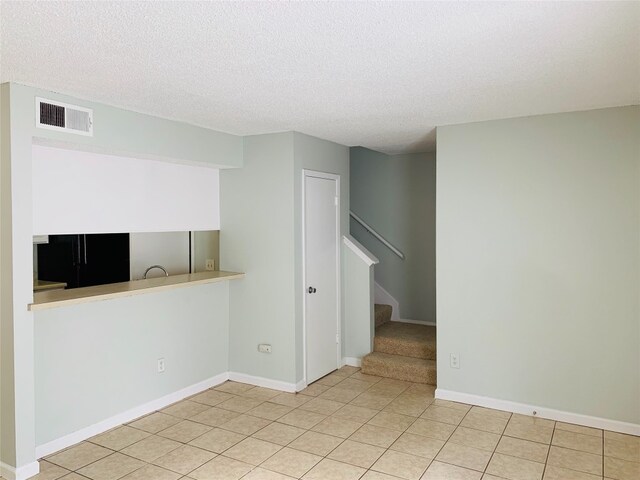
(261,214)
(18,447)
(118,131)
(358,319)
(97,360)
(257,237)
(538,257)
(312,153)
(206,245)
(115,131)
(395,194)
(7,392)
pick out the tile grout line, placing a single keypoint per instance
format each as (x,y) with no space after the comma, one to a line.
(90,463)
(393,393)
(310,430)
(603,462)
(499,440)
(449,439)
(386,449)
(445,441)
(546,460)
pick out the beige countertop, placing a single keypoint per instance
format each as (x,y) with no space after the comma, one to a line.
(59,298)
(42,285)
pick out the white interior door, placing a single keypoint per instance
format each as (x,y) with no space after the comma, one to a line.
(321,240)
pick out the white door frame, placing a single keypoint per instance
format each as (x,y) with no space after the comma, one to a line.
(329,176)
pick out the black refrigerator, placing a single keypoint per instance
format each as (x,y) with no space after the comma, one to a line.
(83,260)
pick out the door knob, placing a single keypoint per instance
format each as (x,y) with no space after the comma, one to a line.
(312,290)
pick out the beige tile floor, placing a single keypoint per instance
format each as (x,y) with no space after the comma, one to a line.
(346,426)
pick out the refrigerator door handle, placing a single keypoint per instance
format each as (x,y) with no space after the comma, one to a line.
(85,248)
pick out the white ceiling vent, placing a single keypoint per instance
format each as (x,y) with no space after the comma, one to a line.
(63,117)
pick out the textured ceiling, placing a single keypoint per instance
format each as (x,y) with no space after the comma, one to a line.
(381,75)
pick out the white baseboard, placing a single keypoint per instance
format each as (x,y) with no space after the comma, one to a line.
(22,473)
(416,322)
(543,412)
(301,385)
(385,298)
(352,361)
(127,416)
(150,407)
(263,382)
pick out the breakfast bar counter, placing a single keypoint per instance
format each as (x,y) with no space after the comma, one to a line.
(58,298)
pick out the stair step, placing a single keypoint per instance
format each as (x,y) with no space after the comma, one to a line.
(410,369)
(407,339)
(382,313)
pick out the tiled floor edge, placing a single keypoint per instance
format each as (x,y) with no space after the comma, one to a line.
(541,412)
(127,416)
(237,444)
(352,361)
(21,473)
(264,382)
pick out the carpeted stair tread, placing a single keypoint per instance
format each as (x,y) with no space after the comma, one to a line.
(400,367)
(382,313)
(406,339)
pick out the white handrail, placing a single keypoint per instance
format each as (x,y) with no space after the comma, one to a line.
(370,229)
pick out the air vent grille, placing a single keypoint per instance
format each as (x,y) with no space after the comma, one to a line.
(51,115)
(60,116)
(77,120)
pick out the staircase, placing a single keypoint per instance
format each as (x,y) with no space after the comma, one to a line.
(404,351)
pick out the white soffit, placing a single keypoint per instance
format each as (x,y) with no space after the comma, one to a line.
(377,74)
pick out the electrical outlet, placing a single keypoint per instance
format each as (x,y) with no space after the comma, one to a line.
(454,360)
(264,348)
(210,264)
(160,365)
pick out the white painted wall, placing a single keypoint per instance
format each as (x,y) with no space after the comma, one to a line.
(313,153)
(396,196)
(206,245)
(538,261)
(383,297)
(262,236)
(169,249)
(358,287)
(127,133)
(8,390)
(83,192)
(258,238)
(96,360)
(16,322)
